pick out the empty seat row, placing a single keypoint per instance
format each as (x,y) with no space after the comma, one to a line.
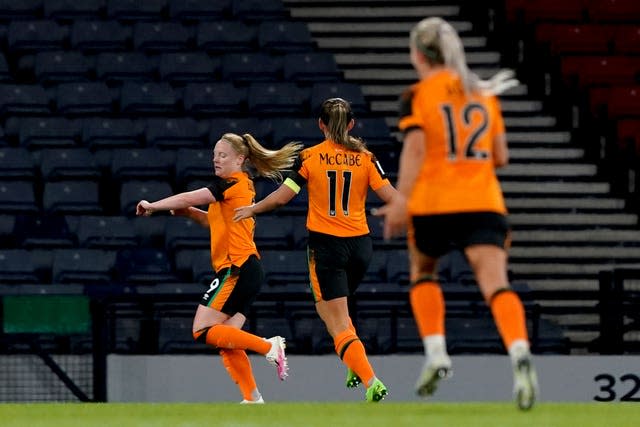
(588,70)
(34,133)
(169,36)
(128,10)
(96,98)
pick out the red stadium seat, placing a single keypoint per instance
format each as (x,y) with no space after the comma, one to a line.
(627,39)
(613,10)
(566,38)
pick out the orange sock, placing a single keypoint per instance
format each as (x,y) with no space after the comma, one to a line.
(508,314)
(427,303)
(223,336)
(352,352)
(237,364)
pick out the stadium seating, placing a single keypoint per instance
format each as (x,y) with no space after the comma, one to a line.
(43,232)
(17,267)
(65,9)
(30,36)
(83,98)
(106,232)
(67,164)
(223,36)
(198,9)
(60,66)
(107,134)
(310,67)
(132,192)
(284,36)
(131,10)
(188,67)
(122,66)
(147,98)
(17,197)
(183,233)
(214,97)
(143,266)
(48,132)
(16,163)
(174,134)
(83,266)
(71,197)
(28,99)
(99,36)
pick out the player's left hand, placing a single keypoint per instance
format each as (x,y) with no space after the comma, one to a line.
(395,217)
(243,212)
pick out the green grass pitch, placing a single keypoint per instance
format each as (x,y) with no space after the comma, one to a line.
(309,414)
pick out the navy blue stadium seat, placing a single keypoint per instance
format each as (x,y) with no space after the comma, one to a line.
(311,67)
(17,267)
(201,269)
(60,66)
(377,271)
(71,9)
(144,266)
(23,9)
(184,233)
(388,156)
(175,133)
(83,98)
(141,163)
(17,197)
(71,197)
(120,66)
(30,99)
(398,266)
(16,163)
(106,232)
(284,36)
(134,10)
(96,36)
(183,262)
(160,37)
(274,232)
(453,267)
(258,10)
(192,164)
(147,98)
(150,230)
(7,236)
(83,266)
(199,9)
(43,231)
(132,192)
(226,36)
(36,35)
(374,131)
(188,67)
(106,133)
(278,98)
(408,338)
(285,266)
(304,130)
(251,67)
(48,132)
(220,126)
(5,74)
(215,97)
(68,164)
(349,91)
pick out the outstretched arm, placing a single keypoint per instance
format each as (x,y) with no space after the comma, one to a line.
(185,200)
(280,197)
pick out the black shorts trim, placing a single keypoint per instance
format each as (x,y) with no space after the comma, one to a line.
(435,235)
(337,264)
(246,281)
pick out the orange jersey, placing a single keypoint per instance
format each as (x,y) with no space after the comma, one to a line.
(231,242)
(338,181)
(458,173)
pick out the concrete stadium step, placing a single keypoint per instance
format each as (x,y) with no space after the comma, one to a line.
(566,203)
(555,270)
(563,284)
(573,219)
(599,236)
(594,253)
(397,29)
(399,60)
(393,91)
(364,13)
(508,106)
(559,187)
(540,170)
(549,154)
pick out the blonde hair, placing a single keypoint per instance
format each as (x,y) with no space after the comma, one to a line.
(439,42)
(336,114)
(267,163)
